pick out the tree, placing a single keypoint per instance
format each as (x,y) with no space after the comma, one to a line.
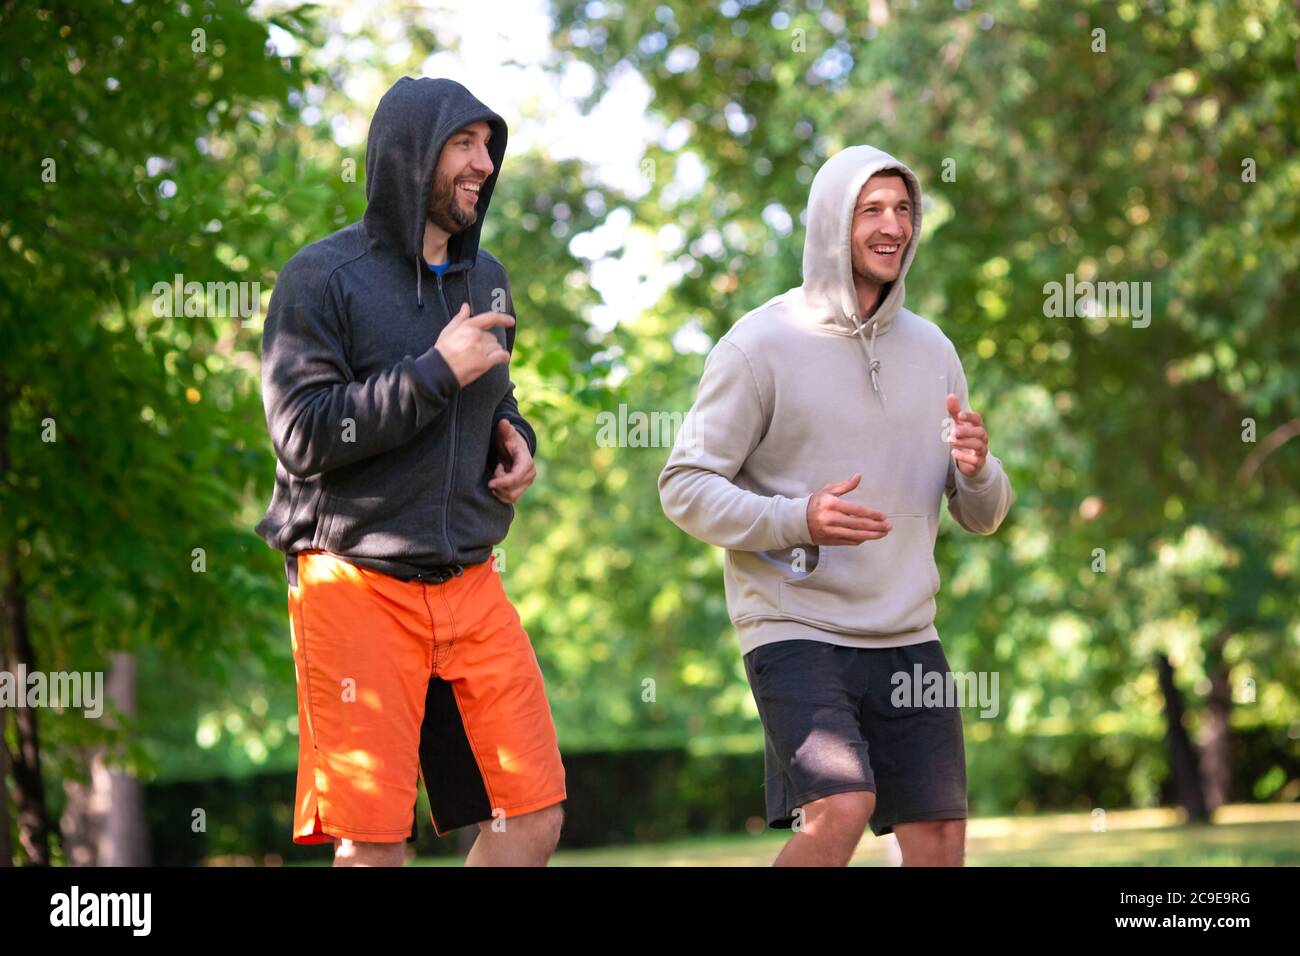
(1056,142)
(127,429)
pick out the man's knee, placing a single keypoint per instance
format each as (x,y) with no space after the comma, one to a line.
(547,825)
(839,819)
(952,839)
(356,853)
(540,829)
(933,843)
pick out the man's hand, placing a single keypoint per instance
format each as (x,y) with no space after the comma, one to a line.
(516,471)
(832,520)
(969,440)
(468,347)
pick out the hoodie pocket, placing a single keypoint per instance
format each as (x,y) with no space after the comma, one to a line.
(886,586)
(324,521)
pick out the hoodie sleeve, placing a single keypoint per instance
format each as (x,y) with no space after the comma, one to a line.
(318,415)
(508,407)
(696,487)
(981,502)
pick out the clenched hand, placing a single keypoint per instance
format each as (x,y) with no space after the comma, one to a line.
(969,440)
(468,347)
(516,471)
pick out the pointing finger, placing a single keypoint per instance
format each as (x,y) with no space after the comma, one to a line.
(489,320)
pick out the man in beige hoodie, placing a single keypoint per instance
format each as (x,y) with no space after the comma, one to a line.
(829,425)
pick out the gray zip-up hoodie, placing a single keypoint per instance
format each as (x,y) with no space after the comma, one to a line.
(382,458)
(805,391)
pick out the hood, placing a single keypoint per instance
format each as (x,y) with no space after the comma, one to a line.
(829,297)
(412,123)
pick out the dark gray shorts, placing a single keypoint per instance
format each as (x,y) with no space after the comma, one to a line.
(831,727)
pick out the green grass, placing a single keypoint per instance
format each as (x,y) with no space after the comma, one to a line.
(1243,835)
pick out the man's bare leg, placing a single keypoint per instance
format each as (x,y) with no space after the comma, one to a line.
(354,853)
(932,842)
(527,840)
(830,831)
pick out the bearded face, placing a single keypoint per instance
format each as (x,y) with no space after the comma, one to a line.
(449,211)
(463,167)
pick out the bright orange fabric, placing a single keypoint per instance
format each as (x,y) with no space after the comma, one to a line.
(365,647)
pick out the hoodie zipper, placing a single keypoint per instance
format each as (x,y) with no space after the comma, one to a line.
(455,432)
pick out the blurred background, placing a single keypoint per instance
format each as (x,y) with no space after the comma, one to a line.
(1140,605)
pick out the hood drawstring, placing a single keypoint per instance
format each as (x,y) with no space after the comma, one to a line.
(873,362)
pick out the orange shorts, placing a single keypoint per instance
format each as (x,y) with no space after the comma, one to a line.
(403,680)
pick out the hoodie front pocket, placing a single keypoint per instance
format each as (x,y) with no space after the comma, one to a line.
(886,586)
(324,521)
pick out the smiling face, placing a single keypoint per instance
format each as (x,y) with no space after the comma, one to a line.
(463,166)
(882,228)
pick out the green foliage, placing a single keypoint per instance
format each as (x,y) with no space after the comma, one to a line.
(134,438)
(1123,165)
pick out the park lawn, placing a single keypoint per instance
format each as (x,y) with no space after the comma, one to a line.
(1243,835)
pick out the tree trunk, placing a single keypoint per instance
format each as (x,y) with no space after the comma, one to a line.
(1187,778)
(1216,766)
(103,823)
(125,841)
(81,822)
(6,849)
(29,786)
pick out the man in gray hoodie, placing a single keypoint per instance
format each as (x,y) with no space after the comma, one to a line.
(829,425)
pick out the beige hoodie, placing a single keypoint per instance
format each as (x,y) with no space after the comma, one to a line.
(802,392)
